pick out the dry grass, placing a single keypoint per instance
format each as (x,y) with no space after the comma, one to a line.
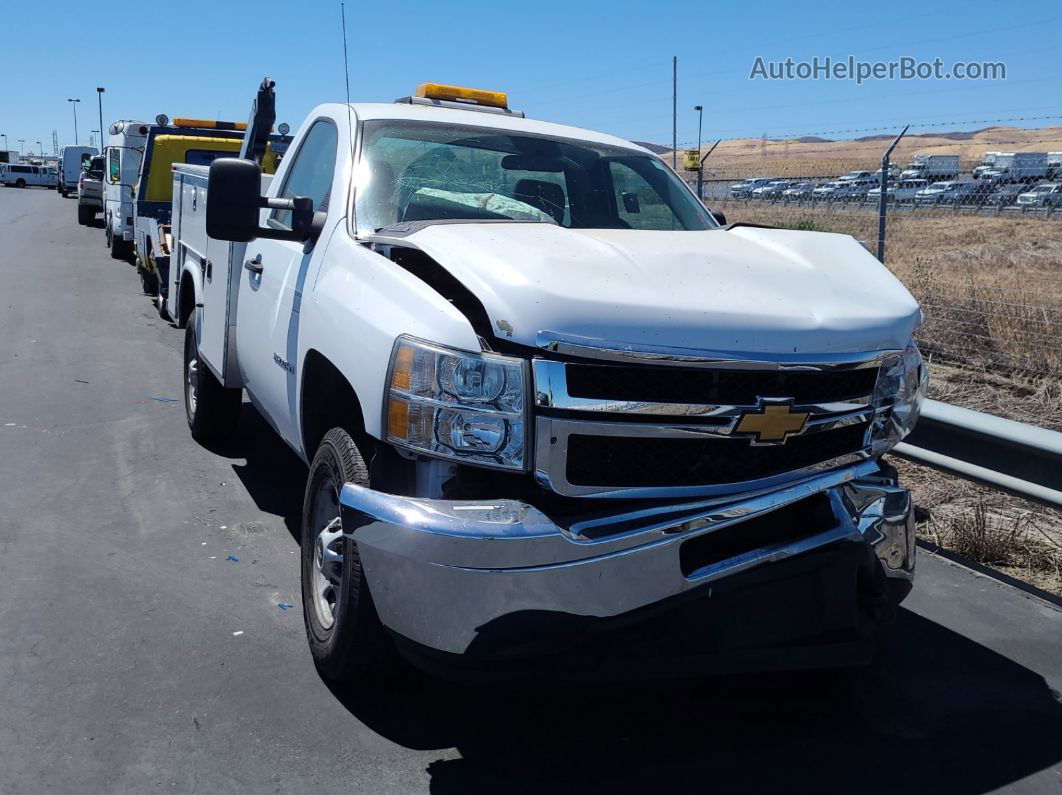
(998,530)
(990,287)
(747,157)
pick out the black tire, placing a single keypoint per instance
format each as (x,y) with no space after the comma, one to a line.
(212,410)
(160,301)
(149,281)
(20,183)
(85,215)
(119,248)
(355,645)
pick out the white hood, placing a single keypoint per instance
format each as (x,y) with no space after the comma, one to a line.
(745,290)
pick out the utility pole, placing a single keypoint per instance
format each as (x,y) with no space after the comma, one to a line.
(700,171)
(99,96)
(883,199)
(674,112)
(700,118)
(75,101)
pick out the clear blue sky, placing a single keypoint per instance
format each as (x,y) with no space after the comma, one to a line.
(604,65)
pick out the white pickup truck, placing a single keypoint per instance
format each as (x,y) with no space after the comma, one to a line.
(550,404)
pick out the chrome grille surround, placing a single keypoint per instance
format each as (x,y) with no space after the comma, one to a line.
(559,415)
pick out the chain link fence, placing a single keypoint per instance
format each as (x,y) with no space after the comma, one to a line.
(975,237)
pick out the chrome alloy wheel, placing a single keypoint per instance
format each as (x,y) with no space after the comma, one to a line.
(327,554)
(192,384)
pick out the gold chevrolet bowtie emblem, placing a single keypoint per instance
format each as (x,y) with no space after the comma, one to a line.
(774,424)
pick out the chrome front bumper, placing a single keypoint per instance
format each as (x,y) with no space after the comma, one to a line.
(448,575)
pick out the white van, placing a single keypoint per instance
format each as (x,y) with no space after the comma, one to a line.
(125,150)
(72,161)
(20,175)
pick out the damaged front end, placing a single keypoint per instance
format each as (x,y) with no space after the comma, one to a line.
(495,580)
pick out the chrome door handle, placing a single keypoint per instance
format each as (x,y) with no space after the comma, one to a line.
(254,265)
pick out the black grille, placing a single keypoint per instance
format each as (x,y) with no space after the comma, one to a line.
(786,525)
(626,461)
(731,387)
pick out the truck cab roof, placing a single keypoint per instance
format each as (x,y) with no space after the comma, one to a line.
(398,111)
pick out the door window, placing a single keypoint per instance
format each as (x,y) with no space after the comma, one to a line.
(114,166)
(310,174)
(638,204)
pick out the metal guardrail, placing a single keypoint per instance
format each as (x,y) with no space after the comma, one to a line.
(1007,455)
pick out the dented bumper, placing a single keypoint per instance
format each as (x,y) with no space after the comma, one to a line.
(500,577)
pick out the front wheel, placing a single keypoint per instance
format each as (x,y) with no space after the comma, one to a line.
(20,183)
(211,409)
(85,215)
(345,635)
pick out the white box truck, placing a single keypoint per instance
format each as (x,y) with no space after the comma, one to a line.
(1018,167)
(548,400)
(932,168)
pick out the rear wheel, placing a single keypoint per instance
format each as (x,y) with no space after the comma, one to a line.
(20,183)
(345,635)
(149,281)
(211,409)
(119,247)
(160,300)
(85,215)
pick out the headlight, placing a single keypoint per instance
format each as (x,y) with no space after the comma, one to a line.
(453,404)
(900,390)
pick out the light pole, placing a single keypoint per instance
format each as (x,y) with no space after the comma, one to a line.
(21,148)
(700,169)
(40,150)
(99,97)
(75,101)
(5,140)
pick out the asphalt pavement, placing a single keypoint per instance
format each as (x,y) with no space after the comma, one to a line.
(145,644)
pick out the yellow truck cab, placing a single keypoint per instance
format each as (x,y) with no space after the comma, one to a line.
(191,141)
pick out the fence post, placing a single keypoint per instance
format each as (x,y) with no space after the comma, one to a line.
(700,171)
(883,200)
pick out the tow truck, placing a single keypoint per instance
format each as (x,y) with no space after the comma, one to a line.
(184,140)
(553,408)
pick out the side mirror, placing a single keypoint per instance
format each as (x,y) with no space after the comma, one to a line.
(233,202)
(719,217)
(630,202)
(233,199)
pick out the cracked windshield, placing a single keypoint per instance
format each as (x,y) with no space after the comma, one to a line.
(434,172)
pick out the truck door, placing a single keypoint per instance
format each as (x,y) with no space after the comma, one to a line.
(272,284)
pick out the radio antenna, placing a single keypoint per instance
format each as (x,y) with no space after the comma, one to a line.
(346,77)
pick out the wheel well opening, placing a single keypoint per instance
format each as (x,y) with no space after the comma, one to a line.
(328,401)
(185,301)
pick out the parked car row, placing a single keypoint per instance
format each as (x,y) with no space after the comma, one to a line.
(864,186)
